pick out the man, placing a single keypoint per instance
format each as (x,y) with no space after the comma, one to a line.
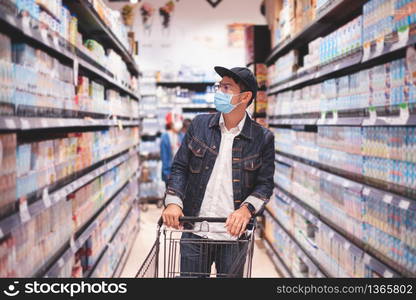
(224,168)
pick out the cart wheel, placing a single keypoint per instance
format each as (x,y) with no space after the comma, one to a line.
(145,207)
(159,203)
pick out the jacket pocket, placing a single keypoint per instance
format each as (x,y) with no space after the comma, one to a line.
(251,166)
(197,154)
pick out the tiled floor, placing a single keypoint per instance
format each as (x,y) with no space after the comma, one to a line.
(262,265)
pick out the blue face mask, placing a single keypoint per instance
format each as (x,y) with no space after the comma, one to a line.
(223,104)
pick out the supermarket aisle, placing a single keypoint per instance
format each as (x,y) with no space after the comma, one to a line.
(262,265)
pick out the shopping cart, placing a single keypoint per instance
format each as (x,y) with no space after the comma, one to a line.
(198,253)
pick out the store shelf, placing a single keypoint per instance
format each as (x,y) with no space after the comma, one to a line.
(30,30)
(279,264)
(273,122)
(74,245)
(300,251)
(347,176)
(21,123)
(104,75)
(90,23)
(109,245)
(349,240)
(327,20)
(352,63)
(126,254)
(190,85)
(43,202)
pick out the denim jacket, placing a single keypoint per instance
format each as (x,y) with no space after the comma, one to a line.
(253,162)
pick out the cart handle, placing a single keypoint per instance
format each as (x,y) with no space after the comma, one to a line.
(196,219)
(202,219)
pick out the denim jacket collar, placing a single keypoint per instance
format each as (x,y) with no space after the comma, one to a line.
(246,132)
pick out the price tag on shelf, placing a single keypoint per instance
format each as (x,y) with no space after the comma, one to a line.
(335,117)
(347,245)
(366,191)
(44,123)
(387,274)
(373,117)
(44,35)
(388,198)
(331,234)
(336,68)
(75,68)
(366,51)
(24,124)
(45,198)
(404,114)
(26,25)
(55,41)
(24,210)
(10,123)
(72,244)
(379,46)
(120,125)
(403,38)
(61,123)
(61,262)
(346,183)
(404,204)
(321,121)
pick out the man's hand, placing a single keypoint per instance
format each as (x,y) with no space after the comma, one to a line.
(236,222)
(171,216)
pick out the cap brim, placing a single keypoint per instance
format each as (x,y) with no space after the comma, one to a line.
(227,72)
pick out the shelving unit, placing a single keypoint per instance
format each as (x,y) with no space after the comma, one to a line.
(41,127)
(305,173)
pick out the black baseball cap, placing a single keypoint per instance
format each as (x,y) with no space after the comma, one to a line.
(239,74)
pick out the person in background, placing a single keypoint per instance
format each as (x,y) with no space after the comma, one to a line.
(185,125)
(224,168)
(170,142)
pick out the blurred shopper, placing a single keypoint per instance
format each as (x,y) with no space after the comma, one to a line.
(170,143)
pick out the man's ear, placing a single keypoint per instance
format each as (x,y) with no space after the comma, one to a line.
(247,97)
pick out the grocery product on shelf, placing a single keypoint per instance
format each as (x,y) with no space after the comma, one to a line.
(7,173)
(107,224)
(384,85)
(46,162)
(38,239)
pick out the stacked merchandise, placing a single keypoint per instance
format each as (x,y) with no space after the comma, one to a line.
(113,19)
(381,153)
(380,19)
(384,85)
(56,18)
(373,219)
(117,248)
(42,236)
(43,163)
(343,41)
(38,239)
(7,173)
(45,86)
(285,67)
(107,224)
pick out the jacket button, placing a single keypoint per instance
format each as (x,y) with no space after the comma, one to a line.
(214,147)
(206,168)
